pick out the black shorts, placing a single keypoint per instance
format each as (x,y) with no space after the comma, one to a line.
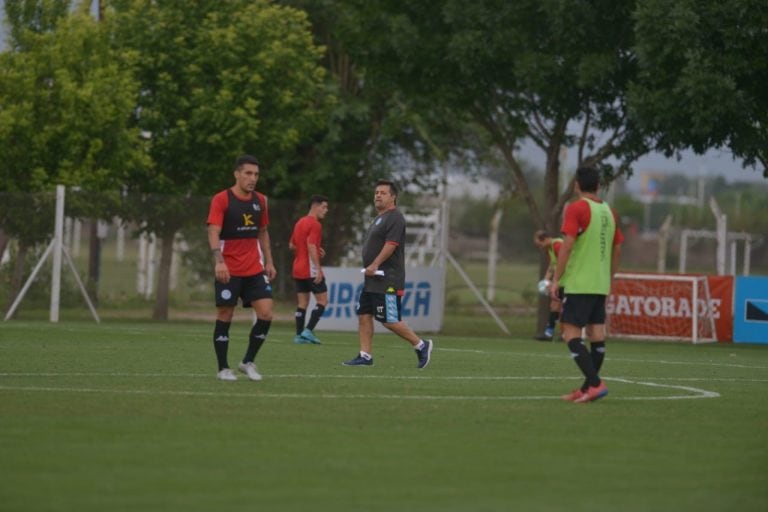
(582,309)
(385,307)
(309,286)
(248,289)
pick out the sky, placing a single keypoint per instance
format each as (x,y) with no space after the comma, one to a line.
(715,162)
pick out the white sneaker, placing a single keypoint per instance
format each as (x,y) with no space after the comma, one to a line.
(226,374)
(250,370)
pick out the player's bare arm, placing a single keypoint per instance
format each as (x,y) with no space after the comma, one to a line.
(383,256)
(314,256)
(562,261)
(220,269)
(615,258)
(266,249)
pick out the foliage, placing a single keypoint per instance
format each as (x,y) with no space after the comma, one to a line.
(219,80)
(67,98)
(519,70)
(702,77)
(66,101)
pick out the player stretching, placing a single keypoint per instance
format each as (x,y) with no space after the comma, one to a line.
(551,246)
(306,240)
(237,234)
(586,263)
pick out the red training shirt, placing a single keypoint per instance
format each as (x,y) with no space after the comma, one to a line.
(307,230)
(242,255)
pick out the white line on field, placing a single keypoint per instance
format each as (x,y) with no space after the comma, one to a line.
(695,393)
(359,376)
(613,359)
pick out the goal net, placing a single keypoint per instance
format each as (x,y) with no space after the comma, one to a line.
(662,307)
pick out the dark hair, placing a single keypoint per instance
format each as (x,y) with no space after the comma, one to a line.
(317,199)
(588,178)
(541,235)
(246,159)
(391,184)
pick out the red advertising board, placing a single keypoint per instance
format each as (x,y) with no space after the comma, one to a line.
(660,306)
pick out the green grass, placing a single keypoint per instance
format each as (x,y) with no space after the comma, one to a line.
(128,416)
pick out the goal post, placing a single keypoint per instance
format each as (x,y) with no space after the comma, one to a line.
(661,307)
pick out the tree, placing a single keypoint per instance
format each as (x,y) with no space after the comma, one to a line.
(217,80)
(528,69)
(369,131)
(66,99)
(703,66)
(549,71)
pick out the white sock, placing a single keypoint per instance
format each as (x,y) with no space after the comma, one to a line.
(366,355)
(420,345)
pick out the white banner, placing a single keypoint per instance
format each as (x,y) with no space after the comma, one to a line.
(422,304)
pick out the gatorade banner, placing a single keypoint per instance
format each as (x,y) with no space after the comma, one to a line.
(422,303)
(664,308)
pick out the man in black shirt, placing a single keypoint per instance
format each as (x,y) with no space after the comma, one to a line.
(384,268)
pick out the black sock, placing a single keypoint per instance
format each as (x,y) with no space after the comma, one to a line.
(597,352)
(553,316)
(315,316)
(299,316)
(581,356)
(256,339)
(221,343)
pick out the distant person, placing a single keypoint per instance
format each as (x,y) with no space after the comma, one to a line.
(586,264)
(551,246)
(238,238)
(384,270)
(306,241)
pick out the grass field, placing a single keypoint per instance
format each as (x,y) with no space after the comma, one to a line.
(129,416)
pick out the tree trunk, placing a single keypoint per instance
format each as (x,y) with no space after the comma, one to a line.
(17,278)
(94,262)
(164,278)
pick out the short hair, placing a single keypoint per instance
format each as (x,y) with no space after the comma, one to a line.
(390,184)
(588,178)
(246,159)
(540,235)
(317,199)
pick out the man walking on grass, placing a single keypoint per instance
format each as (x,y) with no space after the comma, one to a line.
(384,269)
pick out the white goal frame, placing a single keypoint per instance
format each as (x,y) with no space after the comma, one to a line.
(699,292)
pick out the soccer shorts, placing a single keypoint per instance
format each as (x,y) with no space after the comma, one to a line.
(385,307)
(581,309)
(247,289)
(310,286)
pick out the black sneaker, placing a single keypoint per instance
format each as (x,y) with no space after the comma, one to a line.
(543,337)
(359,361)
(424,354)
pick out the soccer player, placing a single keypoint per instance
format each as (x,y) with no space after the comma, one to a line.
(586,264)
(384,269)
(238,238)
(551,246)
(306,241)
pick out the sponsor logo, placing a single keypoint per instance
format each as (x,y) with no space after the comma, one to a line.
(226,294)
(247,219)
(756,310)
(662,307)
(343,295)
